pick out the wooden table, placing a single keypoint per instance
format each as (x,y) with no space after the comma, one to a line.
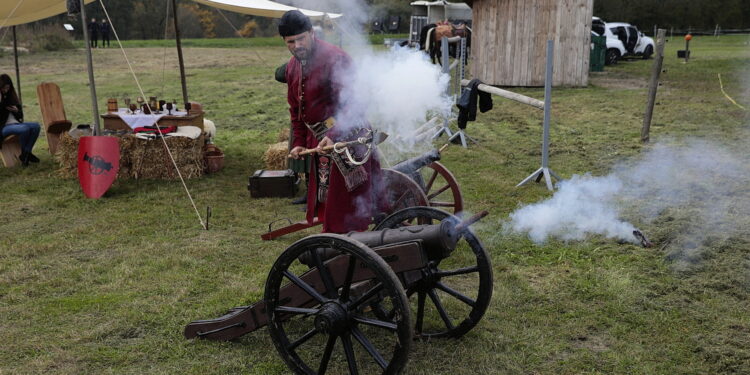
(114,122)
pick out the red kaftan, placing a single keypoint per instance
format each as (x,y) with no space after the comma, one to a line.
(343,211)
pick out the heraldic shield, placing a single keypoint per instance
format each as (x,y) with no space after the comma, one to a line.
(98,163)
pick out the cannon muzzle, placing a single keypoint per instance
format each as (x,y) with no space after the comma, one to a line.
(411,166)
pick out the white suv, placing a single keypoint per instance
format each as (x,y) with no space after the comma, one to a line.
(633,42)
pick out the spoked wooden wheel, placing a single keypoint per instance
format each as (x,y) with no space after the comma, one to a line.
(450,295)
(326,323)
(441,188)
(401,192)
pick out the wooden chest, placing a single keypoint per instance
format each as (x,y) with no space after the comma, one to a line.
(265,184)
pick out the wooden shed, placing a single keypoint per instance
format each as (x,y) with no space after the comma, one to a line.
(509,41)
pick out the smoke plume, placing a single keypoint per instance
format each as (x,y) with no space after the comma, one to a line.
(396,90)
(701,185)
(583,205)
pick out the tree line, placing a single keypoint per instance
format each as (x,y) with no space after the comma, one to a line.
(681,15)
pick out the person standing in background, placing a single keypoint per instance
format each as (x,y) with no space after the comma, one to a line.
(93,28)
(104,30)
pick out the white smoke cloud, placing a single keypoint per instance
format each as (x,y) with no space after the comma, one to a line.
(703,183)
(582,206)
(396,90)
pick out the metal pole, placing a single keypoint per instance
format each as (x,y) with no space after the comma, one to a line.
(547,107)
(446,70)
(544,171)
(179,54)
(444,57)
(90,64)
(18,74)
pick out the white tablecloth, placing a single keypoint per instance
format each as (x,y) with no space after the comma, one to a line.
(139,119)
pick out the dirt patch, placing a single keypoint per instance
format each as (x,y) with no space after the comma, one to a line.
(609,82)
(594,343)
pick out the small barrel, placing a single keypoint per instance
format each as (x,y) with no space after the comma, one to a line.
(112,105)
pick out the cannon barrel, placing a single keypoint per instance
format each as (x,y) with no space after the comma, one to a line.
(438,240)
(410,166)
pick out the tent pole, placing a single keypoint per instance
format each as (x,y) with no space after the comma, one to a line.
(179,54)
(18,74)
(90,63)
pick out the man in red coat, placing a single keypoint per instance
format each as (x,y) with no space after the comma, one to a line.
(339,193)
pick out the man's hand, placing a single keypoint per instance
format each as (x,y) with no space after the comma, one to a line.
(294,153)
(12,108)
(325,142)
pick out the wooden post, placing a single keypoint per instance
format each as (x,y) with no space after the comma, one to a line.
(536,103)
(18,73)
(653,84)
(90,66)
(179,54)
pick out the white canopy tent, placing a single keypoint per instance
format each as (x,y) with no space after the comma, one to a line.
(263,8)
(18,12)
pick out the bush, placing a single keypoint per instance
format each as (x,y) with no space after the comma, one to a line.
(50,41)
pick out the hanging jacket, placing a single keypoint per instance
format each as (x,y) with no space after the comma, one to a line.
(467,103)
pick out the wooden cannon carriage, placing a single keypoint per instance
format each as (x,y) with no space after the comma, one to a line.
(358,291)
(419,181)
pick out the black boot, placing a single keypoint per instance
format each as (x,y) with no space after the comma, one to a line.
(32,158)
(24,159)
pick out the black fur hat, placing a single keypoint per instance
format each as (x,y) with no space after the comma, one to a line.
(294,22)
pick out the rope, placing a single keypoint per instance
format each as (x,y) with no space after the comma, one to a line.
(721,85)
(12,12)
(143,95)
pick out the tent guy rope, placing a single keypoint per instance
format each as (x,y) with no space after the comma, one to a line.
(140,89)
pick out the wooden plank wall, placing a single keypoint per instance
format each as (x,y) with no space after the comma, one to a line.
(510,37)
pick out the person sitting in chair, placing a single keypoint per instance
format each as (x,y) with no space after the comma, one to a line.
(11,121)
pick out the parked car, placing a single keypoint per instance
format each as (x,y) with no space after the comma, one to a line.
(615,49)
(634,42)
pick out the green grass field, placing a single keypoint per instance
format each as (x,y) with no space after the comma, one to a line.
(106,286)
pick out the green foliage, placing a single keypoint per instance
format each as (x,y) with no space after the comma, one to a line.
(53,41)
(680,14)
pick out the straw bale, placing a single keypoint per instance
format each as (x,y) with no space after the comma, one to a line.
(284,135)
(276,156)
(142,158)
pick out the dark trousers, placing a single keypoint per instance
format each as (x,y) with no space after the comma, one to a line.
(105,38)
(93,40)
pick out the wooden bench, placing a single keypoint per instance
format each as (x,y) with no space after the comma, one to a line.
(11,151)
(53,113)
